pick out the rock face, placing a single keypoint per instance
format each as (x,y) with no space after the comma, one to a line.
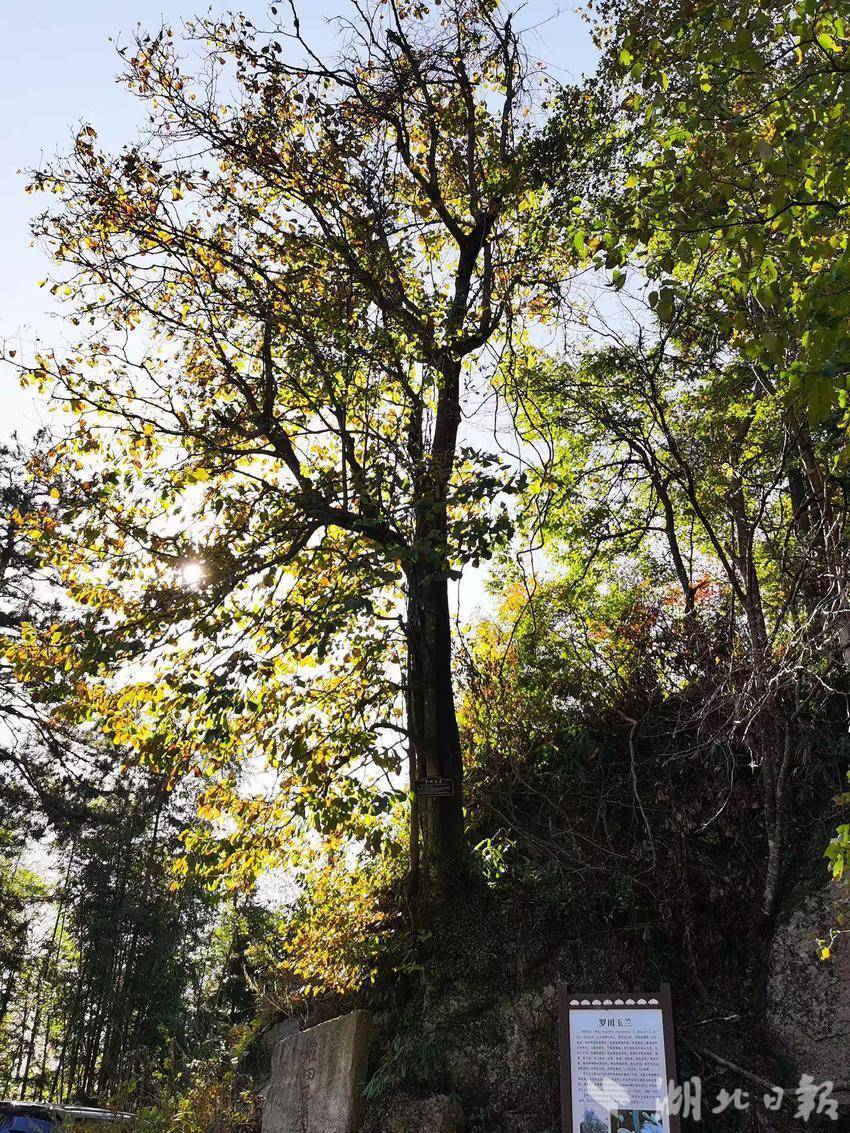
(809,998)
(496,1061)
(438,1114)
(317,1078)
(502,1057)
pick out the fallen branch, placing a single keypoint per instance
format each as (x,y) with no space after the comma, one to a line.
(733,1066)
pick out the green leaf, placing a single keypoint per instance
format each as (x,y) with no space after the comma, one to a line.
(828,43)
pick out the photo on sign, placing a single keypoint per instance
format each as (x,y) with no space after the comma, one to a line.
(591,1123)
(636,1121)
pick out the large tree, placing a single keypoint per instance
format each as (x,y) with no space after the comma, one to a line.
(296,289)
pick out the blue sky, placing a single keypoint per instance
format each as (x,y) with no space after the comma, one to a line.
(58,67)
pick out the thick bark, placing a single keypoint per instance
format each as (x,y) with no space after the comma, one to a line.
(776,771)
(434,740)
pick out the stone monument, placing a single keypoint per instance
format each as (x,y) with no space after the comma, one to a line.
(317,1078)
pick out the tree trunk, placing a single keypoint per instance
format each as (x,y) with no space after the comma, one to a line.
(776,768)
(441,858)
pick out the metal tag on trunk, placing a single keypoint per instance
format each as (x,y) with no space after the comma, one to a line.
(435,787)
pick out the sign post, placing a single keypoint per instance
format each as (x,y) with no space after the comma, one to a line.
(617,1062)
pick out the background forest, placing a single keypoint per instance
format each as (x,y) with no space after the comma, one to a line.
(341,333)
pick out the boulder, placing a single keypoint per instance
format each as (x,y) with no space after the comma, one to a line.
(317,1078)
(808,1008)
(437,1114)
(502,1057)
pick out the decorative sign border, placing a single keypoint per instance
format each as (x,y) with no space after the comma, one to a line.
(653,1001)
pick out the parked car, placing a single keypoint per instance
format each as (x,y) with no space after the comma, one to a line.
(42,1117)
